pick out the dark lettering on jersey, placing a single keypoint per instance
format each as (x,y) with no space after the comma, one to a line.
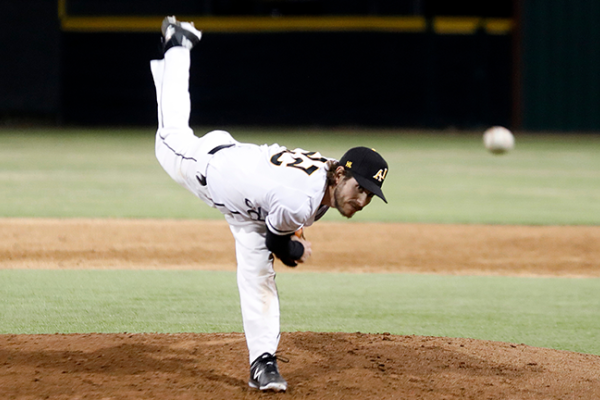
(228,211)
(298,161)
(255,213)
(275,159)
(301,160)
(313,155)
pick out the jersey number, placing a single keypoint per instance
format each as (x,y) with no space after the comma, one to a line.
(308,162)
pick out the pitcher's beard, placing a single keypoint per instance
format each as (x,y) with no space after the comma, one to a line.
(339,204)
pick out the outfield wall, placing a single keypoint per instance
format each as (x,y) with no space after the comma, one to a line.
(298,78)
(534,65)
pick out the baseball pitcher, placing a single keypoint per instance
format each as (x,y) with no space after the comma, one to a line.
(266,193)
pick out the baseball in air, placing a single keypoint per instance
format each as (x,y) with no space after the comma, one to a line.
(498,140)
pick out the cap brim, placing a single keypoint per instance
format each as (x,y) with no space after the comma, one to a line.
(370,186)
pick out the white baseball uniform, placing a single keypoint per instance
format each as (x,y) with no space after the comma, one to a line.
(255,187)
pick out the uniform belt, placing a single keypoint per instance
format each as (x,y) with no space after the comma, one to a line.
(220,147)
(202,178)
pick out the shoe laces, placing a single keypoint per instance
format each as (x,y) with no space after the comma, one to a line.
(267,359)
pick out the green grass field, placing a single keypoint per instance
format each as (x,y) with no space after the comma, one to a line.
(434,177)
(447,178)
(546,312)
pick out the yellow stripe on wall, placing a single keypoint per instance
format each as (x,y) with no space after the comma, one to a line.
(470,25)
(498,26)
(456,25)
(441,25)
(249,24)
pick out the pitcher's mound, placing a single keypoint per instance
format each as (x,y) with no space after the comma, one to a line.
(321,366)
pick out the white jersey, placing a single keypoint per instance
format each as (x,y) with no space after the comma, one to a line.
(271,184)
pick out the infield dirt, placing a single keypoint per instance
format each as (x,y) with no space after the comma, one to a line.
(323,365)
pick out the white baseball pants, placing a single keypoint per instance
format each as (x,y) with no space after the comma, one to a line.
(185,157)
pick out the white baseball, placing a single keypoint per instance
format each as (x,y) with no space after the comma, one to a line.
(498,139)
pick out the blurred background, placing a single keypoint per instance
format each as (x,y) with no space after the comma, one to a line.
(530,64)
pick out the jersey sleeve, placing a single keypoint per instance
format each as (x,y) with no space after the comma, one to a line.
(288,214)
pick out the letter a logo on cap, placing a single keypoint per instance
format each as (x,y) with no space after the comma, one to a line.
(380,175)
(361,163)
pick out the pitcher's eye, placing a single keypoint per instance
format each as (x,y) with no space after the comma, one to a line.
(363,190)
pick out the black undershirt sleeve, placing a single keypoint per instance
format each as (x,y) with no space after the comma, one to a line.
(286,249)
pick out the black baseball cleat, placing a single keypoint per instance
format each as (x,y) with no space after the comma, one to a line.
(177,33)
(264,374)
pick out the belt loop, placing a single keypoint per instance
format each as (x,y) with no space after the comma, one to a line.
(220,147)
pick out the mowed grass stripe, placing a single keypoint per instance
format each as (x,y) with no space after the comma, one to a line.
(434,177)
(559,313)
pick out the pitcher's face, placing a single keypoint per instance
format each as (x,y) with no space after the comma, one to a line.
(350,197)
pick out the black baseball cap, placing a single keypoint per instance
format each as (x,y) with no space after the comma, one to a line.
(367,167)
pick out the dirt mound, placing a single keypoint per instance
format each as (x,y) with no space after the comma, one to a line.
(344,247)
(322,366)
